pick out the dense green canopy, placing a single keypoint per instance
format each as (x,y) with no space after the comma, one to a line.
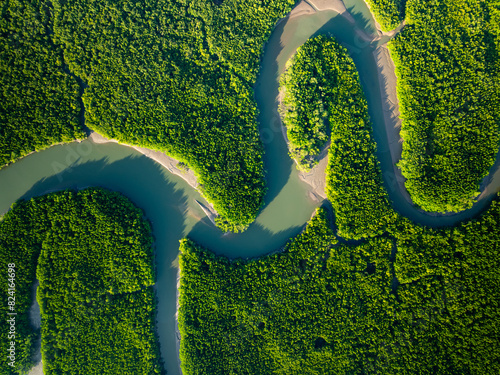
(324,100)
(408,300)
(170,75)
(448,67)
(417,301)
(92,254)
(388,13)
(177,76)
(39,103)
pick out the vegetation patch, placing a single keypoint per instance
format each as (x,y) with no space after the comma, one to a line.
(323,307)
(322,83)
(448,296)
(39,103)
(388,13)
(174,76)
(177,76)
(408,300)
(447,63)
(309,88)
(92,254)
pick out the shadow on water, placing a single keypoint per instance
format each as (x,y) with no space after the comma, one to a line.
(164,204)
(362,15)
(278,168)
(279,49)
(254,242)
(288,35)
(168,202)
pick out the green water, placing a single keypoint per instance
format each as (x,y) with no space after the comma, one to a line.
(169,203)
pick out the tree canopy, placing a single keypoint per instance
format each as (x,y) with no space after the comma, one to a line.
(92,253)
(447,63)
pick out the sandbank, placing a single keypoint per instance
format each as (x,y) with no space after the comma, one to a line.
(306,7)
(160,157)
(166,161)
(177,332)
(316,177)
(390,106)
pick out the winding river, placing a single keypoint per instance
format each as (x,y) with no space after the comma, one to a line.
(169,202)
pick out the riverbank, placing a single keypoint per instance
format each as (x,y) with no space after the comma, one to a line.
(377,24)
(160,157)
(40,150)
(388,93)
(37,370)
(386,67)
(36,322)
(316,177)
(390,106)
(306,7)
(168,162)
(177,332)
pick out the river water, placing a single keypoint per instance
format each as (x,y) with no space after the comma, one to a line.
(169,202)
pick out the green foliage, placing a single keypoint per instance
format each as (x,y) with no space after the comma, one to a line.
(449,296)
(447,63)
(94,254)
(174,76)
(388,13)
(353,181)
(326,308)
(38,99)
(426,301)
(20,239)
(177,76)
(308,87)
(110,334)
(321,84)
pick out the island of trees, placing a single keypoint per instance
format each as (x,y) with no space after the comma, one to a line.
(309,89)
